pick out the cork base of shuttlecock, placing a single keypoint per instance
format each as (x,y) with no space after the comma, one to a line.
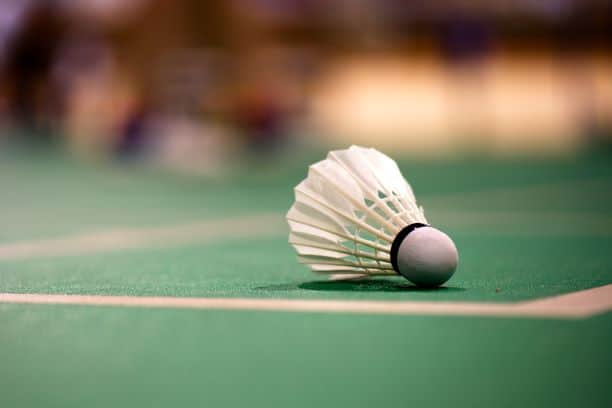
(424,255)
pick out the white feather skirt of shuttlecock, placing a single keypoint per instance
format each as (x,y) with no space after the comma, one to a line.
(347,212)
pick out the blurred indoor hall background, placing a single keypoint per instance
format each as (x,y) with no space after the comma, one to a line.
(196,85)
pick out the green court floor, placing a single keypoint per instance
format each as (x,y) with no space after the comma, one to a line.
(525,229)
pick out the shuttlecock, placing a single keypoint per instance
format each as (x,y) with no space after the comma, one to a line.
(356,216)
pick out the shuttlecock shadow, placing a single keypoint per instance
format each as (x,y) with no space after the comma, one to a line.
(372,285)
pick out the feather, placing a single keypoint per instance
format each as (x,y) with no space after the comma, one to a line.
(347,212)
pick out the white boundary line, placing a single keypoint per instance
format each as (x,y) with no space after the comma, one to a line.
(574,305)
(273,224)
(270,224)
(246,226)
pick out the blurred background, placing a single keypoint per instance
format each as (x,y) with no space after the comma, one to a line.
(198,85)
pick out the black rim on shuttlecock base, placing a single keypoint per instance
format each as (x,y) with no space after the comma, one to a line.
(399,238)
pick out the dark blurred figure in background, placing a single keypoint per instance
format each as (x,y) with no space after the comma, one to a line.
(33,101)
(261,118)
